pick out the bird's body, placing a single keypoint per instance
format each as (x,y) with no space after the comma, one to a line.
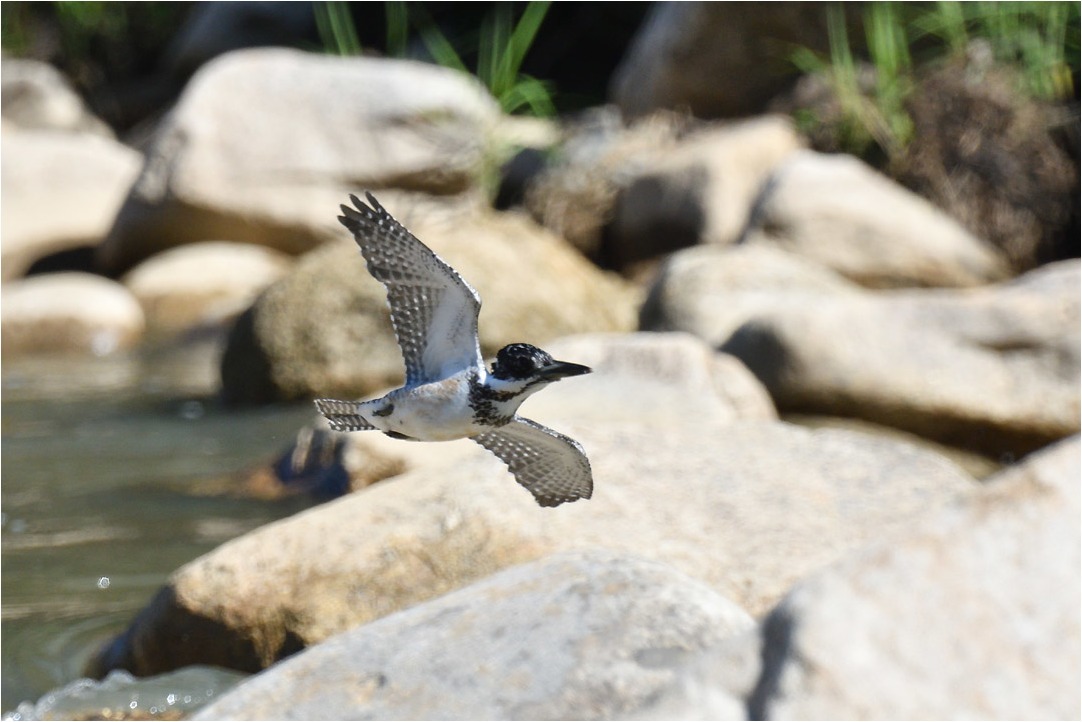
(449,393)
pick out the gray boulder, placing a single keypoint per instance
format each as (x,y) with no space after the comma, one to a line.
(229,164)
(747,508)
(61,191)
(626,194)
(325,329)
(573,636)
(710,291)
(702,190)
(575,194)
(836,211)
(973,614)
(994,369)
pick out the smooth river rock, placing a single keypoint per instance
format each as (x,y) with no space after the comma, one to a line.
(623,195)
(702,190)
(838,212)
(972,615)
(68,313)
(587,635)
(61,191)
(748,508)
(203,284)
(995,369)
(264,144)
(36,96)
(711,290)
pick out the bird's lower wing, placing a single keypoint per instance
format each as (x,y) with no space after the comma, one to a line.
(553,467)
(433,310)
(342,415)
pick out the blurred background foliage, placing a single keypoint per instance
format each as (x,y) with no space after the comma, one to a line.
(1037,43)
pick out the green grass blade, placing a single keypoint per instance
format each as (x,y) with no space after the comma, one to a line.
(529,93)
(440,48)
(398,25)
(335,27)
(525,31)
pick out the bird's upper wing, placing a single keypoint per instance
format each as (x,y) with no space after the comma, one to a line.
(433,310)
(553,467)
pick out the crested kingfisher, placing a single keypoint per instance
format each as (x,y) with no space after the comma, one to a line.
(449,393)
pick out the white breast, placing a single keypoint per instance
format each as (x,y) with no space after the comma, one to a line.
(439,411)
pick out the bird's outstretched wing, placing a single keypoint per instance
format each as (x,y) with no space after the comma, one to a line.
(553,467)
(433,310)
(342,415)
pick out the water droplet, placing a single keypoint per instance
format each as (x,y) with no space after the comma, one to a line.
(103,582)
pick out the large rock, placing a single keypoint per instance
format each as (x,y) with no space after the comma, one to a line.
(994,369)
(229,164)
(973,615)
(710,291)
(325,329)
(623,195)
(36,96)
(836,211)
(575,636)
(747,508)
(68,312)
(716,59)
(60,191)
(700,191)
(575,194)
(203,284)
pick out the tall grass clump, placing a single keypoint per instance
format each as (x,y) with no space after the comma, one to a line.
(1039,41)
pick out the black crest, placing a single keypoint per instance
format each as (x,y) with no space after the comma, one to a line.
(519,361)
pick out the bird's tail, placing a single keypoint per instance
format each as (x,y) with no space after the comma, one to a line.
(342,415)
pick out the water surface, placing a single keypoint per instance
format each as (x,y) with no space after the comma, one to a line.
(105,467)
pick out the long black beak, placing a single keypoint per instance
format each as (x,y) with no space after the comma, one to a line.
(562,369)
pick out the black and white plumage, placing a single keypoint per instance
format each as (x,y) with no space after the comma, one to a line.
(449,394)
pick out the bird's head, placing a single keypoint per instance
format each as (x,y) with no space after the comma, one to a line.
(523,362)
(518,371)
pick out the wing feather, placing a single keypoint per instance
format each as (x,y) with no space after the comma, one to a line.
(553,467)
(433,309)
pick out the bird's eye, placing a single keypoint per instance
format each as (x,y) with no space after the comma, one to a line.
(523,365)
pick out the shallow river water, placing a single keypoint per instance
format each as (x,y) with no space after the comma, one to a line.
(103,463)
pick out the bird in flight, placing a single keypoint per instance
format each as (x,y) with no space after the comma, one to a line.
(449,393)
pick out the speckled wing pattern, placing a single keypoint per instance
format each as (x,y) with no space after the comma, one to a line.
(433,310)
(553,467)
(342,415)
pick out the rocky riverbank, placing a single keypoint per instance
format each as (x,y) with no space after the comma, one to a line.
(718,276)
